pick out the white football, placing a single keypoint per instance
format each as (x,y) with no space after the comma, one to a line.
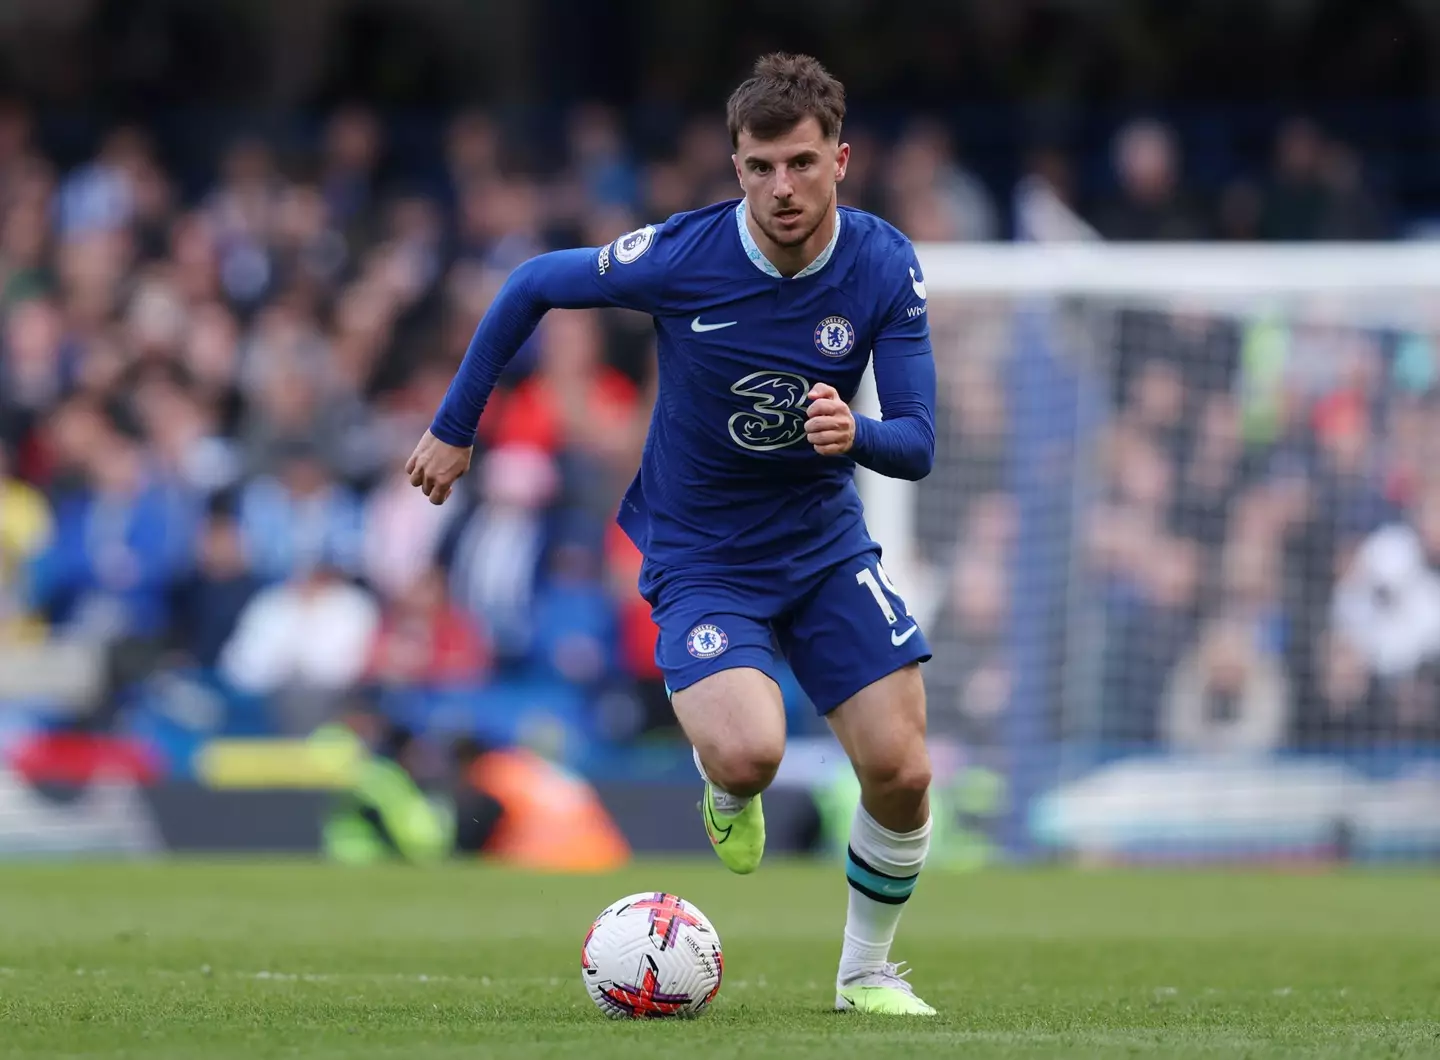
(649,956)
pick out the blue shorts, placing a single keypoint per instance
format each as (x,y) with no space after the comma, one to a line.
(844,631)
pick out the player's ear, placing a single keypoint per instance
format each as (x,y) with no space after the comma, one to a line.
(842,160)
(735,160)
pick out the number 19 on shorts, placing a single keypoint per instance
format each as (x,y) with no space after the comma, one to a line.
(866,577)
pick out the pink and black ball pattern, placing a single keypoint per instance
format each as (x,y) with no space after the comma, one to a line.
(651,956)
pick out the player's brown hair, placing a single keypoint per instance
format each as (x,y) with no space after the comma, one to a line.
(782,91)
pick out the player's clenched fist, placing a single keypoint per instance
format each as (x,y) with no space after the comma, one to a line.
(435,467)
(830,426)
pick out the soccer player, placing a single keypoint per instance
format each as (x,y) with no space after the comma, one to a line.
(767,311)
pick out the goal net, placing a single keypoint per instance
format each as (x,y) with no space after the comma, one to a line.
(1179,556)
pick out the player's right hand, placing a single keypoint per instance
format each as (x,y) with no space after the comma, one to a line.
(830,424)
(435,467)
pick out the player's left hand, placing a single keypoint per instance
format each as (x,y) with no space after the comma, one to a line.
(830,425)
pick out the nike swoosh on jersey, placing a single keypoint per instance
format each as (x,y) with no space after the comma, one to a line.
(696,326)
(898,639)
(917,285)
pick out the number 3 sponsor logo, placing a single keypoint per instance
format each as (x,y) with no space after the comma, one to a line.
(777,416)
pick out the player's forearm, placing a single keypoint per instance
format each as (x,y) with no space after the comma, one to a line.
(560,280)
(902,445)
(896,448)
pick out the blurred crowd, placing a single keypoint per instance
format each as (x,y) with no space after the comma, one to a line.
(1245,550)
(206,401)
(1315,189)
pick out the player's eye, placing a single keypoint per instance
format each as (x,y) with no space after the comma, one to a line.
(760,167)
(802,163)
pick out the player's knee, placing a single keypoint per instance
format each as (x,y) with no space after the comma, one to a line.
(913,779)
(902,778)
(744,767)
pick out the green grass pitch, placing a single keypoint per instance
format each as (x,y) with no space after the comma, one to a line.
(224,960)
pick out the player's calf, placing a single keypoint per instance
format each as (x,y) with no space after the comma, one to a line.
(897,791)
(883,731)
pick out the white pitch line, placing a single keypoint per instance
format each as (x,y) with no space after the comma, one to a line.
(206,972)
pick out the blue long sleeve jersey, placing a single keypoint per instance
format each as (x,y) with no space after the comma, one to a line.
(727,480)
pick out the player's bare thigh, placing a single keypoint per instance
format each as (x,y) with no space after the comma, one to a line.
(736,720)
(882,728)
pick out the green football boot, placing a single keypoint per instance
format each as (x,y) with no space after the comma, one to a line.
(738,838)
(884,993)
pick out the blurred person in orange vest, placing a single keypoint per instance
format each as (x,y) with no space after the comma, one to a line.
(516,807)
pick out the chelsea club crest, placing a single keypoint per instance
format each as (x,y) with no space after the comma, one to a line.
(834,337)
(707,641)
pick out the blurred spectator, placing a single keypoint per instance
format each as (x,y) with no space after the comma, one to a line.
(1227,695)
(500,222)
(120,539)
(1316,190)
(1150,580)
(185,435)
(969,680)
(574,616)
(1211,477)
(425,641)
(353,142)
(293,518)
(207,602)
(931,195)
(472,149)
(303,644)
(600,158)
(104,195)
(1151,204)
(242,212)
(402,534)
(1387,605)
(495,551)
(1295,203)
(1350,695)
(309,247)
(577,408)
(1044,202)
(1354,210)
(970,440)
(25,529)
(32,373)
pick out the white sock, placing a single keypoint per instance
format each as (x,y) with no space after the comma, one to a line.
(724,802)
(881,867)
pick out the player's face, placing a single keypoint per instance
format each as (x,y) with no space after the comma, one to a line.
(790,181)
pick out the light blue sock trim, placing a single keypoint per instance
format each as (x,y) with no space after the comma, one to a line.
(876,883)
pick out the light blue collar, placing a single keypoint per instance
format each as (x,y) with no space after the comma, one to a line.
(761,262)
